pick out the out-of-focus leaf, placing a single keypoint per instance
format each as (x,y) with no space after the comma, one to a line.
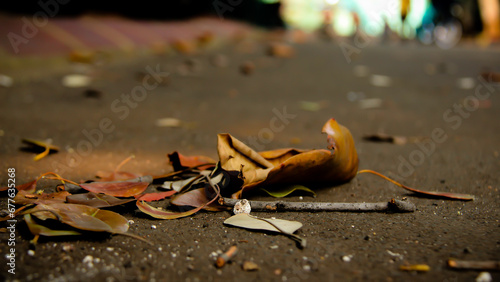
(195,198)
(284,191)
(96,200)
(290,166)
(40,145)
(108,176)
(37,229)
(23,198)
(287,227)
(116,189)
(84,217)
(149,197)
(180,162)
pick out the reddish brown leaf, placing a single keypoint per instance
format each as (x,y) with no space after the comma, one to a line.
(116,189)
(149,197)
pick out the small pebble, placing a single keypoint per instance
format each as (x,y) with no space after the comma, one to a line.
(153,226)
(250,266)
(6,81)
(484,277)
(31,253)
(347,258)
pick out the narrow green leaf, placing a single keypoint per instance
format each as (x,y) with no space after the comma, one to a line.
(283,191)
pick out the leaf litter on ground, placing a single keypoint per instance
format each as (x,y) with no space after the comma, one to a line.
(196,183)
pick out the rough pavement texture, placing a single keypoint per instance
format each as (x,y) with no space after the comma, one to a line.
(424,85)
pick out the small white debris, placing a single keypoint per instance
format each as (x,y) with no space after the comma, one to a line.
(380,80)
(484,277)
(242,206)
(31,253)
(397,255)
(174,255)
(301,198)
(347,258)
(466,83)
(88,259)
(6,81)
(153,226)
(76,80)
(130,221)
(110,249)
(160,249)
(273,247)
(307,267)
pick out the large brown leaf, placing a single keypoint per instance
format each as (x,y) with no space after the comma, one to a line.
(292,166)
(116,189)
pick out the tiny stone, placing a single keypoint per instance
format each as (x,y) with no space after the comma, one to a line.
(130,221)
(87,259)
(31,253)
(307,267)
(484,277)
(250,266)
(273,247)
(109,249)
(153,226)
(347,258)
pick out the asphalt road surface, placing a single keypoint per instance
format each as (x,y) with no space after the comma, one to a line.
(436,97)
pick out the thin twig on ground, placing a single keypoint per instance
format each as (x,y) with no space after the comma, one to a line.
(391,206)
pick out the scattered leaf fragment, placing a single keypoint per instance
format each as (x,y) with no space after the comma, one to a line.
(280,50)
(415,267)
(247,68)
(76,80)
(168,122)
(382,137)
(250,266)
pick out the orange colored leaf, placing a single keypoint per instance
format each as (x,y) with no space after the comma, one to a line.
(116,189)
(292,166)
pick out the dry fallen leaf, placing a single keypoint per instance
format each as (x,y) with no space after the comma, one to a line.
(292,166)
(287,227)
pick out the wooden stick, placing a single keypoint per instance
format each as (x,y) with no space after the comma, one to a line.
(391,206)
